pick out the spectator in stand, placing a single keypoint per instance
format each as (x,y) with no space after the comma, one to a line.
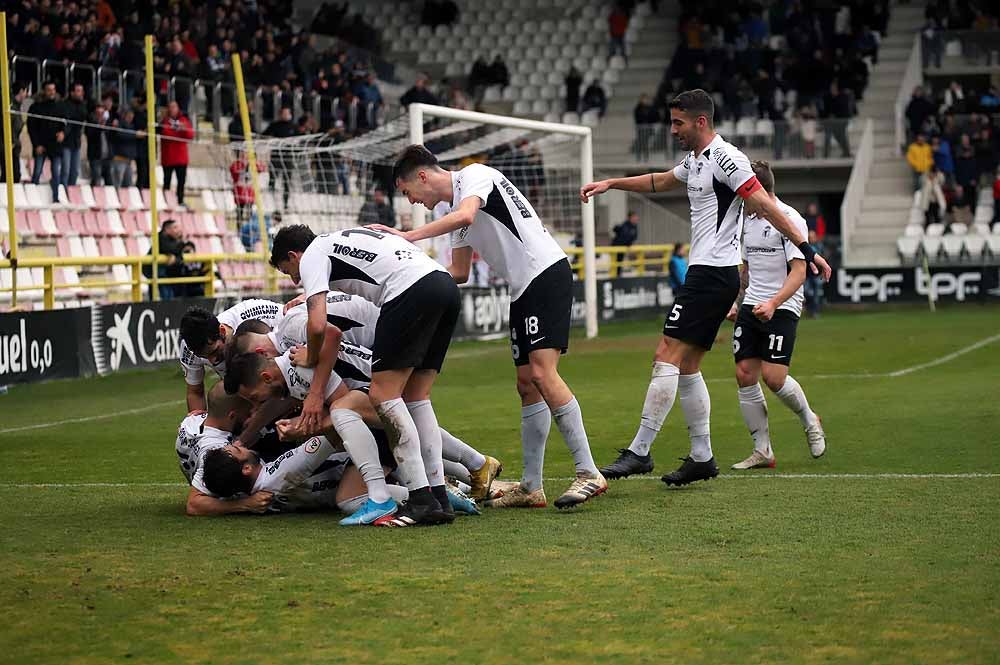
(814,283)
(918,110)
(419,93)
(282,161)
(573,82)
(996,198)
(962,200)
(369,96)
(457,99)
(177,63)
(932,200)
(867,44)
(479,76)
(838,108)
(617,26)
(19,92)
(594,98)
(990,101)
(141,155)
(47,130)
(75,112)
(625,234)
(677,267)
(943,160)
(809,128)
(932,42)
(439,12)
(171,244)
(499,74)
(176,131)
(647,118)
(815,220)
(920,158)
(966,168)
(986,155)
(99,145)
(214,66)
(243,193)
(377,210)
(125,146)
(954,99)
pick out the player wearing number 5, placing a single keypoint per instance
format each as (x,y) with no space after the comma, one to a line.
(767,315)
(718,180)
(490,216)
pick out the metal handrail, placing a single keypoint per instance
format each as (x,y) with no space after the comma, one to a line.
(47,62)
(638,258)
(119,80)
(38,70)
(94,92)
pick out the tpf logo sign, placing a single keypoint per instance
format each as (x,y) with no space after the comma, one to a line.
(866,285)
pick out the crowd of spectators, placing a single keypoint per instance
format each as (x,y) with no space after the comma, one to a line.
(953,149)
(974,21)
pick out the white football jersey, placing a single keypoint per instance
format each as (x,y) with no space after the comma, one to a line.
(506,232)
(194,439)
(354,315)
(376,266)
(354,366)
(299,380)
(767,253)
(304,478)
(717,180)
(262,310)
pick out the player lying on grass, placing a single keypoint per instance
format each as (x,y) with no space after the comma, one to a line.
(201,432)
(313,476)
(767,314)
(420,305)
(353,364)
(203,342)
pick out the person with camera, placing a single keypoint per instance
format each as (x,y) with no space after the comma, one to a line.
(172,244)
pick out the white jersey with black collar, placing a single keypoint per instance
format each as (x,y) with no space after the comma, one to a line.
(717,180)
(262,310)
(355,316)
(299,380)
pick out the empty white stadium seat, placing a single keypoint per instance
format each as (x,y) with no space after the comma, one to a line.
(951,246)
(931,246)
(959,229)
(522,107)
(913,230)
(934,230)
(980,229)
(975,246)
(908,247)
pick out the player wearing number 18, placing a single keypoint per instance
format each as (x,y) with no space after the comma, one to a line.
(719,180)
(420,304)
(488,214)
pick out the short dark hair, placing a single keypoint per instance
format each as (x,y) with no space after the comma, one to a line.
(199,328)
(242,369)
(220,403)
(167,223)
(695,102)
(291,238)
(224,473)
(765,176)
(412,158)
(240,343)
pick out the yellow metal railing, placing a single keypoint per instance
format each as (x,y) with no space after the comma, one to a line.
(48,264)
(643,258)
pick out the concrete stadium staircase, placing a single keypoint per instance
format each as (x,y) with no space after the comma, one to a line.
(889,191)
(649,58)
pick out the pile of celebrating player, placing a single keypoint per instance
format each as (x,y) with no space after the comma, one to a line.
(325,401)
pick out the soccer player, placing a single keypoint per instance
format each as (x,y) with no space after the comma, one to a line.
(491,217)
(719,179)
(354,367)
(312,476)
(420,305)
(353,315)
(767,314)
(201,432)
(203,341)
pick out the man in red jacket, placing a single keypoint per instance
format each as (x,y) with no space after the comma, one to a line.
(176,131)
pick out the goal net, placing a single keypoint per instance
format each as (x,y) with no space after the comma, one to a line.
(331,182)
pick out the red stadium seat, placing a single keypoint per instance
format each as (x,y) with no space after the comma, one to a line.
(62,247)
(30,222)
(75,196)
(132,246)
(92,225)
(104,245)
(76,221)
(63,222)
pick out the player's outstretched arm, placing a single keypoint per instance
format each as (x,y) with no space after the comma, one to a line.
(793,281)
(312,407)
(196,397)
(461,264)
(651,182)
(772,213)
(744,283)
(200,505)
(463,215)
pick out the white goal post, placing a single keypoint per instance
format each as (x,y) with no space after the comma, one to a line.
(419,113)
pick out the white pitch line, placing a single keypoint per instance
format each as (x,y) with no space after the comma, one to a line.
(726,476)
(473,352)
(87,419)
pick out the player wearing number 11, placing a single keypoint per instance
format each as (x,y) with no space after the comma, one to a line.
(490,216)
(718,179)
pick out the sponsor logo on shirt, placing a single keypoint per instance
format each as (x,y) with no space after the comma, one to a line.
(515,199)
(354,252)
(725,163)
(268,311)
(312,445)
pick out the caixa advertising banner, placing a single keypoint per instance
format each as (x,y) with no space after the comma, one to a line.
(36,346)
(888,285)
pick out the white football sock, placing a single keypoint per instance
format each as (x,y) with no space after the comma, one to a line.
(659,400)
(793,397)
(424,418)
(536,419)
(350,506)
(754,408)
(456,450)
(569,420)
(360,445)
(697,407)
(457,471)
(402,432)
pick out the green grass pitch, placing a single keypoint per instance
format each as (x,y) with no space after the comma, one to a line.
(819,561)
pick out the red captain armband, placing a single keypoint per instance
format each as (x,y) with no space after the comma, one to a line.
(749,187)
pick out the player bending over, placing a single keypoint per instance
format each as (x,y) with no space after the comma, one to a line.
(719,180)
(420,304)
(489,215)
(767,314)
(203,341)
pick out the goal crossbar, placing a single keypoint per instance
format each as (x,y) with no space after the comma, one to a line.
(420,111)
